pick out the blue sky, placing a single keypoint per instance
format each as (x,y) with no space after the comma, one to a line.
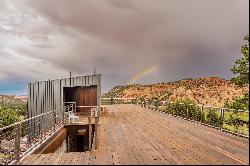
(45,39)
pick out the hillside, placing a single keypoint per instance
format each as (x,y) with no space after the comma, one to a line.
(11,99)
(12,103)
(207,91)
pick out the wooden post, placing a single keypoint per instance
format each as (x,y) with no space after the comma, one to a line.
(17,143)
(90,132)
(187,111)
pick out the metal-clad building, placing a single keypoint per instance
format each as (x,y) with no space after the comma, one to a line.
(46,96)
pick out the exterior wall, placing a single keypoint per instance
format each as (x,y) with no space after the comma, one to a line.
(45,96)
(62,148)
(83,96)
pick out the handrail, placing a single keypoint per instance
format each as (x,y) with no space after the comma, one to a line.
(117,98)
(203,108)
(86,106)
(24,137)
(25,120)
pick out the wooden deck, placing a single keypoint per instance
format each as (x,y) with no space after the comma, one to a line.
(131,134)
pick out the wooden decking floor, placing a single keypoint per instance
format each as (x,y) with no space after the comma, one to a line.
(130,134)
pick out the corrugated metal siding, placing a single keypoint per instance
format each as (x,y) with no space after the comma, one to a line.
(45,96)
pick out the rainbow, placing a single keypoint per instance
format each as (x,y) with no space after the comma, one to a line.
(143,73)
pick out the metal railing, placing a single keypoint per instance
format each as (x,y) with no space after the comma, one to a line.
(224,119)
(89,116)
(111,101)
(71,107)
(19,139)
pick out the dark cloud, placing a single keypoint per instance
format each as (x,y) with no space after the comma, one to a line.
(121,38)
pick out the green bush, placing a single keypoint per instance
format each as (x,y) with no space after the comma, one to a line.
(240,103)
(8,116)
(237,119)
(213,118)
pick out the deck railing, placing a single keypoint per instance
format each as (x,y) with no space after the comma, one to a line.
(225,119)
(20,138)
(111,101)
(87,116)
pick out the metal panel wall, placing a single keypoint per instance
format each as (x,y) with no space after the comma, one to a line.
(45,96)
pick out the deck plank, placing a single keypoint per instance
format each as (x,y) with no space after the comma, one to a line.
(30,159)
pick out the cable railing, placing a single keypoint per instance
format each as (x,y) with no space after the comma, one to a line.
(224,119)
(111,101)
(20,138)
(89,116)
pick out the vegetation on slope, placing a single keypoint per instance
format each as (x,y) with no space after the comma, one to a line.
(11,110)
(207,91)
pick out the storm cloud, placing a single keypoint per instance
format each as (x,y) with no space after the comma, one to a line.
(45,39)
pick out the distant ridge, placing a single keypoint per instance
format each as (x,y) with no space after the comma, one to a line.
(213,91)
(12,99)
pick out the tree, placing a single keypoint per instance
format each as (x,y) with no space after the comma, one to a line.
(242,66)
(242,70)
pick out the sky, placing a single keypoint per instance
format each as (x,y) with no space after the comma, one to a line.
(127,41)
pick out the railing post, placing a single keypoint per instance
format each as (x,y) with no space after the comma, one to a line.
(63,114)
(202,114)
(187,110)
(17,143)
(111,101)
(41,127)
(54,117)
(96,127)
(222,118)
(90,132)
(177,108)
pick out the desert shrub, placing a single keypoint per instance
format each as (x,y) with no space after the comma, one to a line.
(8,116)
(213,118)
(185,108)
(156,103)
(236,119)
(240,103)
